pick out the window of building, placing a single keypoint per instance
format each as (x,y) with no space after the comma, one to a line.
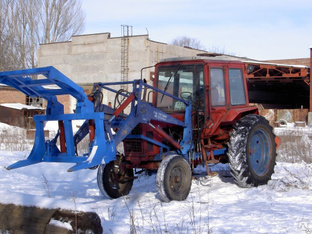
(36,101)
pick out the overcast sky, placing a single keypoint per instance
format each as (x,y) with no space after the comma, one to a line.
(259,29)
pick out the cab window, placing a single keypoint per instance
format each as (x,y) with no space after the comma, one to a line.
(184,81)
(217,87)
(237,91)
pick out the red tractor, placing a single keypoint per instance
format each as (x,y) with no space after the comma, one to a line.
(224,128)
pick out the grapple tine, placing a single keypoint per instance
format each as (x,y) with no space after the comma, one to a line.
(22,163)
(96,157)
(37,151)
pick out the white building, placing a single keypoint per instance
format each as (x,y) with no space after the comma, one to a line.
(101,58)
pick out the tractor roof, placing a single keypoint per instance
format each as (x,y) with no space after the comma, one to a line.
(227,58)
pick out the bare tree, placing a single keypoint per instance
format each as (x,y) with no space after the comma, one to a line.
(24,21)
(61,19)
(188,42)
(25,24)
(3,34)
(220,50)
(9,37)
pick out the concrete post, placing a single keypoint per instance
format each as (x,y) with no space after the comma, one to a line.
(310,102)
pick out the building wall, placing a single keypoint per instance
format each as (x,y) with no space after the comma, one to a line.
(97,58)
(11,95)
(19,117)
(67,102)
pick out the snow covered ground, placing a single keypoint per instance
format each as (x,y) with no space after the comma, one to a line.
(214,205)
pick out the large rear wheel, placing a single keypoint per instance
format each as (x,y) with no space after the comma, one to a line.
(174,178)
(112,182)
(252,151)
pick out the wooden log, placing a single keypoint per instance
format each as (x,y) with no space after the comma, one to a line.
(29,219)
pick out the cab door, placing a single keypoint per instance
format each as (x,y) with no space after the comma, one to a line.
(218,95)
(227,86)
(227,91)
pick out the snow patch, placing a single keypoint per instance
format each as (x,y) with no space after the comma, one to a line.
(23,199)
(61,224)
(292,176)
(214,205)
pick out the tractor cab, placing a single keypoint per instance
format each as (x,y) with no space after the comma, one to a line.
(216,89)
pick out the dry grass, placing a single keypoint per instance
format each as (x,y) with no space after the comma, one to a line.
(296,146)
(14,139)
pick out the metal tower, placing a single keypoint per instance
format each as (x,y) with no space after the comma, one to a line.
(126,32)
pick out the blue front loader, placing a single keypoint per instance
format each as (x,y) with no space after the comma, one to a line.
(107,126)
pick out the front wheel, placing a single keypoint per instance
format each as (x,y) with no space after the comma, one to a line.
(174,178)
(252,151)
(112,182)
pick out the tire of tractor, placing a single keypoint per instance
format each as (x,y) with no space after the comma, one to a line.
(109,185)
(252,151)
(174,178)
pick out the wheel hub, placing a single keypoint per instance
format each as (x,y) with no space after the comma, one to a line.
(176,178)
(259,152)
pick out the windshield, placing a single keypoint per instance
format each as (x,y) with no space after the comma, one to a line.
(183,81)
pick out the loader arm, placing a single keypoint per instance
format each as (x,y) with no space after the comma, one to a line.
(50,84)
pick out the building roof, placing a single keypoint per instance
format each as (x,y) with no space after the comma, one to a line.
(19,106)
(223,57)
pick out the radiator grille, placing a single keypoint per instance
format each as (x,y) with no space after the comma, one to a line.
(133,146)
